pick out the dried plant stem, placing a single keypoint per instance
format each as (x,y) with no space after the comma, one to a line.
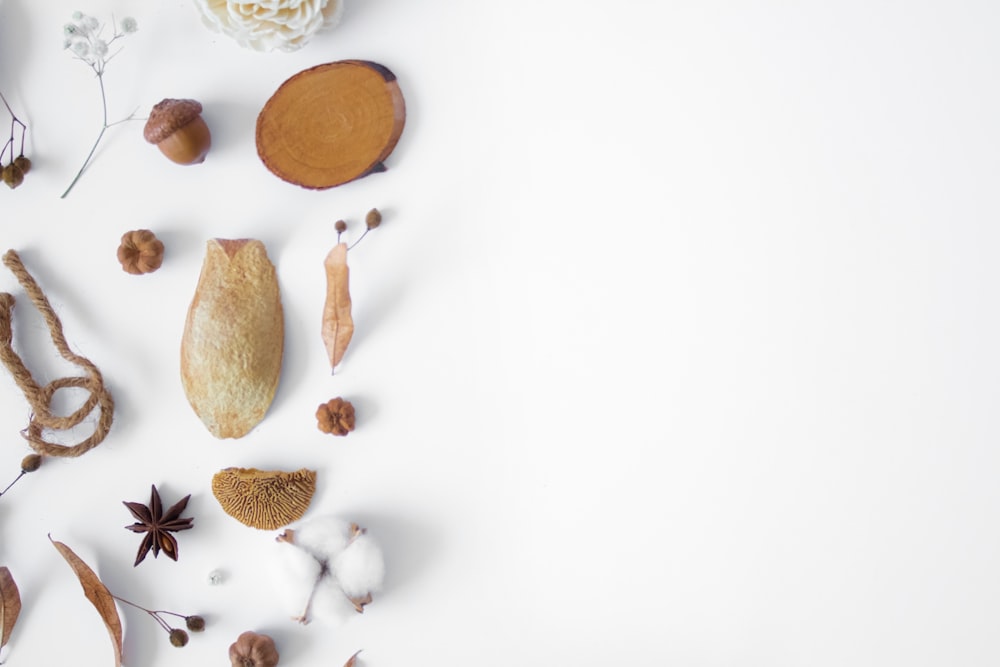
(104,128)
(14,122)
(23,473)
(154,614)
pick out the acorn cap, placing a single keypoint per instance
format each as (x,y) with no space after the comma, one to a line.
(265,499)
(168,116)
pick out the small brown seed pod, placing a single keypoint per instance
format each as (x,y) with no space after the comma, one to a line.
(253,650)
(140,252)
(336,416)
(178,130)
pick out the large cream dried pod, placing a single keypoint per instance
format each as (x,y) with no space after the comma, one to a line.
(265,499)
(233,338)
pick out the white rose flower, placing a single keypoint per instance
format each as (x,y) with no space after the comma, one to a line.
(266,25)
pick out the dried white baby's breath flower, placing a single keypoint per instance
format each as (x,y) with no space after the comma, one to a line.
(268,25)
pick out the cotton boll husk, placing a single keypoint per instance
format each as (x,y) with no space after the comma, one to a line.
(294,572)
(330,605)
(360,568)
(324,537)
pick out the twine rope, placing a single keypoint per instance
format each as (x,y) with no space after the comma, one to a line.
(40,397)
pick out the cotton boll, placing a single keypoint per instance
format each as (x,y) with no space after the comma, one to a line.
(360,568)
(324,537)
(329,605)
(295,573)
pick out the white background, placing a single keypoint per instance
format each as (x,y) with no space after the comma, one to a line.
(677,346)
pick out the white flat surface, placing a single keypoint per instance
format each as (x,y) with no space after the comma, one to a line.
(678,345)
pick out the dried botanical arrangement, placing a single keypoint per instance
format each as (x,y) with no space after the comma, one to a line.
(157,525)
(13,172)
(264,499)
(40,397)
(337,322)
(10,605)
(84,39)
(336,416)
(253,650)
(140,252)
(178,130)
(104,602)
(267,25)
(233,338)
(331,124)
(334,565)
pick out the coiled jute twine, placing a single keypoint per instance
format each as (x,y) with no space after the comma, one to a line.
(39,397)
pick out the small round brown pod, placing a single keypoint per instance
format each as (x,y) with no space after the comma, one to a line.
(253,650)
(178,130)
(140,252)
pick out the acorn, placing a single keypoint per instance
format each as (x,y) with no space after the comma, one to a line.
(178,130)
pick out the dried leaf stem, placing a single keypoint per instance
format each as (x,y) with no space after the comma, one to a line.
(14,122)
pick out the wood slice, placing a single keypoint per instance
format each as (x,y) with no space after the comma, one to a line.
(331,124)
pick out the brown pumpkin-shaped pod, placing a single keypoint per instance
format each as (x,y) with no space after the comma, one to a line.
(264,499)
(253,650)
(140,252)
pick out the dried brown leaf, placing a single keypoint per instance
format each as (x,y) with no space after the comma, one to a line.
(338,326)
(352,660)
(10,605)
(98,594)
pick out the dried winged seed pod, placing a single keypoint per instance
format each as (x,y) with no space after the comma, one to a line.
(265,499)
(178,130)
(336,416)
(140,252)
(253,650)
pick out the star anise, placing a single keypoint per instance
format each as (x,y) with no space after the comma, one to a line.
(158,525)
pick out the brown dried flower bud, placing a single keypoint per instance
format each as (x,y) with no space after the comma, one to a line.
(340,226)
(194,623)
(23,163)
(140,252)
(336,416)
(178,637)
(373,219)
(31,463)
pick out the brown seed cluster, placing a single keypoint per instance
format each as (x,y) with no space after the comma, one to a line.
(140,252)
(264,499)
(336,416)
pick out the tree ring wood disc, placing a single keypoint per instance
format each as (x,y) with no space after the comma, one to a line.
(331,124)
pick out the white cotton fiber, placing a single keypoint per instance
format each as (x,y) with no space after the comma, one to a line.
(324,537)
(330,605)
(295,574)
(360,567)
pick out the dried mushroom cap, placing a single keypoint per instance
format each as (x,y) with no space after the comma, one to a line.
(168,116)
(265,499)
